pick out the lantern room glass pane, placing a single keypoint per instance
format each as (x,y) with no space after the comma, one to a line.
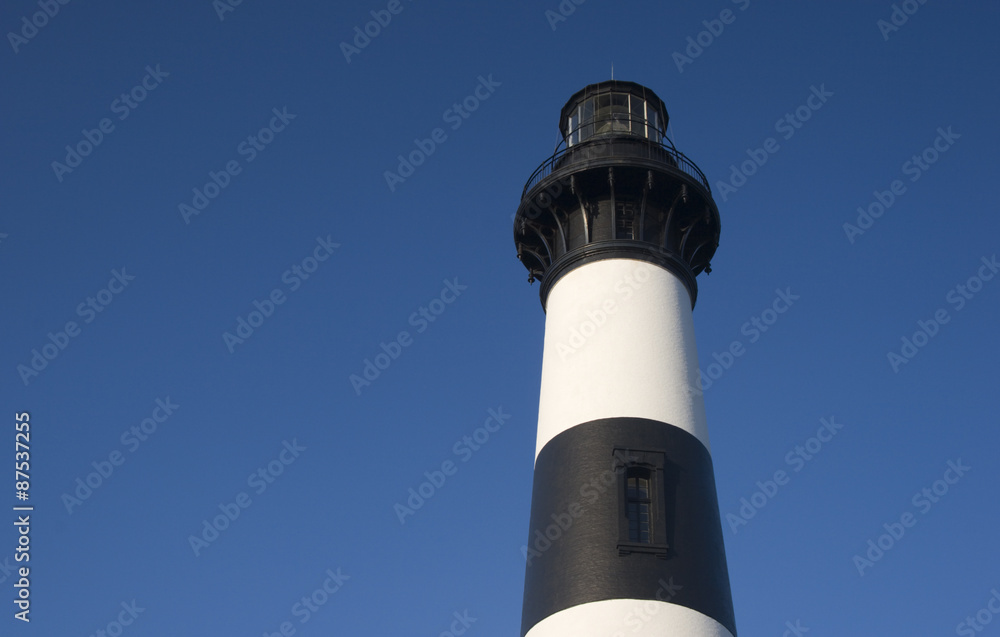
(573,132)
(587,118)
(619,112)
(637,113)
(602,114)
(654,124)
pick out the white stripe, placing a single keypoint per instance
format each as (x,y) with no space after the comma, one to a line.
(628,618)
(619,341)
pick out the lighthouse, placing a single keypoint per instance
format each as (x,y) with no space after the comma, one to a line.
(625,536)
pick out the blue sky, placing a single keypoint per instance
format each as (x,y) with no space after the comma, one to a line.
(289,141)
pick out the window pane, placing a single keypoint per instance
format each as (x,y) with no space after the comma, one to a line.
(638,115)
(619,112)
(638,507)
(602,113)
(575,124)
(587,118)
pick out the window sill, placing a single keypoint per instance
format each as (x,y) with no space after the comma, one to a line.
(627,548)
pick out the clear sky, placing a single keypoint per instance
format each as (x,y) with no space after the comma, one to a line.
(190,286)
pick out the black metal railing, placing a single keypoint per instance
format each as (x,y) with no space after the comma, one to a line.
(617,144)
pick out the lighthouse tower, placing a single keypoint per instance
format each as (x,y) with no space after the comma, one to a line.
(625,535)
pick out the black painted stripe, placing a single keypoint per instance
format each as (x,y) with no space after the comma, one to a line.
(576,476)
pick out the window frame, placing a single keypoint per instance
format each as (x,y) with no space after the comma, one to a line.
(653,462)
(641,501)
